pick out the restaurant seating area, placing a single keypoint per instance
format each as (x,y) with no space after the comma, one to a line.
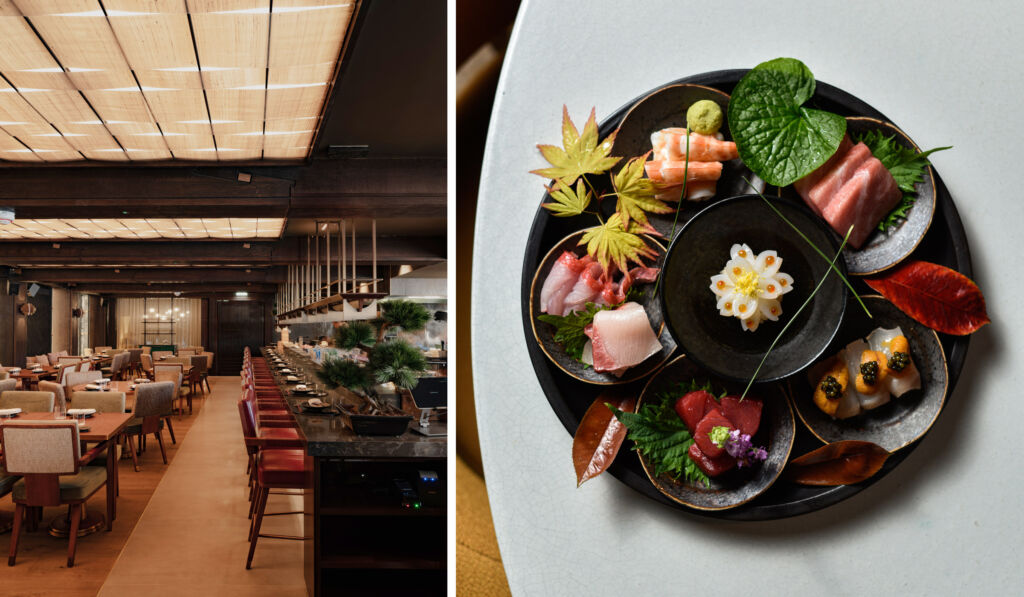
(189,193)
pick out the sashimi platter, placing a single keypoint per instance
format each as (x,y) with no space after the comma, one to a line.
(746,294)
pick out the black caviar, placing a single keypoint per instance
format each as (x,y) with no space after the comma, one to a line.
(830,385)
(869,372)
(898,361)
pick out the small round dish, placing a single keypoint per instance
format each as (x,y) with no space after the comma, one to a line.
(738,486)
(543,332)
(883,250)
(664,108)
(901,421)
(718,343)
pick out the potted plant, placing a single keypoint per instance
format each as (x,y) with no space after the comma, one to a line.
(395,361)
(403,314)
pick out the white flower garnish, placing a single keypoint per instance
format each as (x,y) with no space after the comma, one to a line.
(750,286)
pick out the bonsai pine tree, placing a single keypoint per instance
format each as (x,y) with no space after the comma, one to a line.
(353,334)
(404,314)
(398,362)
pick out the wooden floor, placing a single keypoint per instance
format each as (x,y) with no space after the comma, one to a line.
(180,529)
(41,568)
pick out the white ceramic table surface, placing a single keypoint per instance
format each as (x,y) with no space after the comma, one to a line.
(949,517)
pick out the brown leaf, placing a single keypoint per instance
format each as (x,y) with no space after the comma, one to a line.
(599,436)
(838,463)
(940,298)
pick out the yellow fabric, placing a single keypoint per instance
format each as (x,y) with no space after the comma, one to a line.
(478,569)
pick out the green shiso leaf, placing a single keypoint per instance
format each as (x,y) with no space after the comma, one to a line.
(569,329)
(778,139)
(906,166)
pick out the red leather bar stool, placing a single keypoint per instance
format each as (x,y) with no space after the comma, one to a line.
(279,464)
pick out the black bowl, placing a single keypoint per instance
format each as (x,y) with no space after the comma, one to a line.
(719,343)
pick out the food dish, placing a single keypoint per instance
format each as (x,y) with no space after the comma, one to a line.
(543,333)
(569,398)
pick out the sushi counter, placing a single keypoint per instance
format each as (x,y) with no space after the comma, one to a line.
(375,515)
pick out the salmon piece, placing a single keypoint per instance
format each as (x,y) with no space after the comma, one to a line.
(869,194)
(805,184)
(745,415)
(670,144)
(692,407)
(672,172)
(712,466)
(713,419)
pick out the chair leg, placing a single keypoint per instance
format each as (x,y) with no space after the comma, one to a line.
(131,448)
(257,522)
(170,429)
(76,521)
(19,514)
(160,440)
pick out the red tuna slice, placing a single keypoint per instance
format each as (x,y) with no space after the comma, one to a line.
(822,195)
(863,201)
(692,407)
(713,419)
(805,184)
(712,466)
(745,415)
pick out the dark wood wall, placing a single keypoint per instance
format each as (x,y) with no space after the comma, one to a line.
(40,324)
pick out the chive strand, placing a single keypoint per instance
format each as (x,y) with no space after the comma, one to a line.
(813,246)
(795,315)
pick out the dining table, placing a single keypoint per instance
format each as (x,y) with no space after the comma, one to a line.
(947,519)
(30,378)
(102,429)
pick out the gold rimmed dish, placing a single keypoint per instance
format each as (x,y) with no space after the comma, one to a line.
(739,485)
(902,421)
(543,333)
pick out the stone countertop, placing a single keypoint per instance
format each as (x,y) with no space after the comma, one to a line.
(331,436)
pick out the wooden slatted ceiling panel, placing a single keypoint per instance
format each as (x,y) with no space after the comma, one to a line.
(126,75)
(11,149)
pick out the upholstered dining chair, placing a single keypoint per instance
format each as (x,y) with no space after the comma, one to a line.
(59,396)
(172,372)
(147,349)
(29,402)
(4,374)
(69,360)
(198,374)
(85,366)
(103,402)
(7,385)
(146,363)
(42,359)
(53,358)
(152,401)
(186,352)
(102,349)
(48,456)
(157,354)
(77,377)
(134,361)
(62,373)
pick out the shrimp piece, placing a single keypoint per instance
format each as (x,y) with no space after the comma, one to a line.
(670,144)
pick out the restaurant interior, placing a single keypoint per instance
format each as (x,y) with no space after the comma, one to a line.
(223,297)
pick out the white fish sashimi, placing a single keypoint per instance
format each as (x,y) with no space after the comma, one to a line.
(852,355)
(622,338)
(908,379)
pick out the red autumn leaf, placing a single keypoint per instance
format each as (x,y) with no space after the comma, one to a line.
(599,436)
(838,463)
(938,297)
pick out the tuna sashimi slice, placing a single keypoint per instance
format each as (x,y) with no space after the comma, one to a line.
(622,338)
(712,466)
(713,419)
(822,194)
(560,282)
(869,194)
(586,289)
(745,415)
(692,407)
(805,184)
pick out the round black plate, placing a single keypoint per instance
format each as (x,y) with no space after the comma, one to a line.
(719,343)
(945,243)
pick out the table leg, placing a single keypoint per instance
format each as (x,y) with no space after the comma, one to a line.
(111,481)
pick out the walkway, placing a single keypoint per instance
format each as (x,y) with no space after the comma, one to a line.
(191,539)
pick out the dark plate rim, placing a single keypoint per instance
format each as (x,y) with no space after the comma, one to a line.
(827,496)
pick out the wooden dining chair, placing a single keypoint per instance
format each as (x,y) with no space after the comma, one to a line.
(172,372)
(146,363)
(29,402)
(186,352)
(7,385)
(59,395)
(134,364)
(85,366)
(47,454)
(104,402)
(152,402)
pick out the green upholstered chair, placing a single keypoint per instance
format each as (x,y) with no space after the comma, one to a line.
(48,456)
(29,402)
(152,404)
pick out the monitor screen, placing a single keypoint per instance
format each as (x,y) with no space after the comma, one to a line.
(431,392)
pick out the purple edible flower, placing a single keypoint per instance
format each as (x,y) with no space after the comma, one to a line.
(740,448)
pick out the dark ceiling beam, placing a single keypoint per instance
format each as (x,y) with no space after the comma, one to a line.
(414,250)
(193,288)
(274,275)
(381,187)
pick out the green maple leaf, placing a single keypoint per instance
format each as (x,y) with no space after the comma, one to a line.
(568,201)
(579,154)
(611,242)
(635,193)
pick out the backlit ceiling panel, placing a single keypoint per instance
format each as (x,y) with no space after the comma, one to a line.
(143,229)
(143,80)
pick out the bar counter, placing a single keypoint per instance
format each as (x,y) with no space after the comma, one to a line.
(374,521)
